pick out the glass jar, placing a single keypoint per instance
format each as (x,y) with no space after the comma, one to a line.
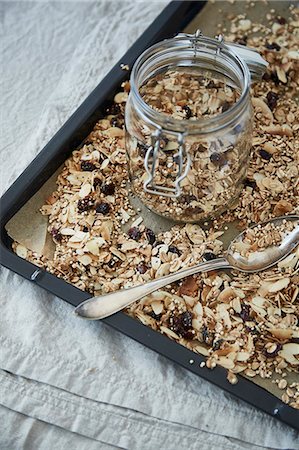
(190,170)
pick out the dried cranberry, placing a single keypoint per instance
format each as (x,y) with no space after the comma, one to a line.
(103,208)
(217,344)
(250,183)
(142,267)
(182,324)
(156,243)
(266,76)
(273,46)
(142,148)
(85,204)
(218,159)
(108,189)
(96,182)
(275,78)
(187,111)
(112,263)
(134,233)
(208,256)
(272,98)
(164,141)
(281,20)
(87,166)
(242,41)
(189,334)
(150,235)
(155,316)
(245,312)
(116,122)
(187,198)
(174,249)
(211,85)
(56,235)
(206,336)
(186,318)
(225,107)
(113,109)
(265,155)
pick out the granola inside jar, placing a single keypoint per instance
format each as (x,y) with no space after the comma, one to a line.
(188,127)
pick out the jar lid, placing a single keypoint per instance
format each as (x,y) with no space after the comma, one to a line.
(256,64)
(254,61)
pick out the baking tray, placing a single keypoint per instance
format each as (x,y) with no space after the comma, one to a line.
(174,18)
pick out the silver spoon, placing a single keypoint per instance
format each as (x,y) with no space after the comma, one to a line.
(106,305)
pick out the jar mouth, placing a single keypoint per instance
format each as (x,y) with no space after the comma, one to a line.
(211,53)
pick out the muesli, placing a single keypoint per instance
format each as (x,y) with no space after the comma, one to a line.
(245,323)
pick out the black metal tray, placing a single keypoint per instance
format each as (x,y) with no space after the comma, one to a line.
(172,20)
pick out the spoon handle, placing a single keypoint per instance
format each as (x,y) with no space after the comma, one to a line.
(106,305)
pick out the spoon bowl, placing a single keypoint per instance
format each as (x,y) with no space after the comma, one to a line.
(262,260)
(254,260)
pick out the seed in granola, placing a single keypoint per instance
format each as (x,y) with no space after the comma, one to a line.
(103,208)
(273,46)
(272,98)
(150,235)
(218,159)
(134,233)
(208,256)
(85,204)
(174,249)
(87,166)
(142,267)
(108,189)
(187,111)
(265,155)
(56,235)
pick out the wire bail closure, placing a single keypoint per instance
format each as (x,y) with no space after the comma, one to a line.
(151,160)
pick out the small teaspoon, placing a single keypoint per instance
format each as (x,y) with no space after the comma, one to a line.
(105,305)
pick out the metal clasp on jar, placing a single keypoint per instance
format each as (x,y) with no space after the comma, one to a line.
(182,158)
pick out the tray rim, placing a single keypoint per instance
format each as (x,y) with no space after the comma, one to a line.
(38,172)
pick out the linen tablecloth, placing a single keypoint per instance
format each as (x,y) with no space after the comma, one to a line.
(65,381)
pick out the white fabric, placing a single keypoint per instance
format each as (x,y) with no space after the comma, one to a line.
(62,379)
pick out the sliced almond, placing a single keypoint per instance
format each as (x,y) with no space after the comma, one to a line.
(85,260)
(157,307)
(279,285)
(85,190)
(21,251)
